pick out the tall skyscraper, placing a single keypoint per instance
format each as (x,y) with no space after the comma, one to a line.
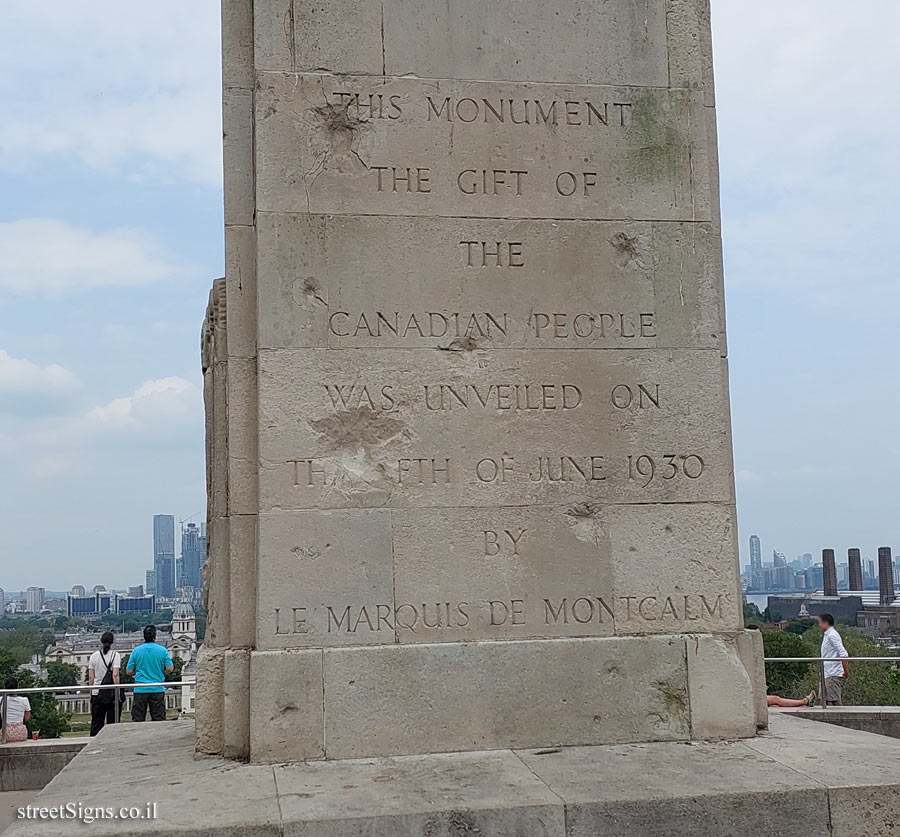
(806,560)
(755,562)
(164,554)
(829,572)
(885,575)
(856,578)
(34,599)
(151,583)
(2,602)
(191,554)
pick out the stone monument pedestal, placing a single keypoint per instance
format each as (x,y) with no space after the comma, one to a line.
(802,777)
(469,452)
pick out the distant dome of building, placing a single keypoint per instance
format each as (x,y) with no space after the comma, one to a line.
(99,588)
(183,610)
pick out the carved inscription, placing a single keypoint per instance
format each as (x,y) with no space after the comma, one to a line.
(543,327)
(503,541)
(508,182)
(535,612)
(500,111)
(493,253)
(418,324)
(641,470)
(365,106)
(503,397)
(407,146)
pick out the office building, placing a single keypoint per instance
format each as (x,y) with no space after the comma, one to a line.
(92,605)
(135,604)
(2,601)
(193,555)
(78,590)
(137,590)
(164,554)
(150,586)
(34,599)
(756,576)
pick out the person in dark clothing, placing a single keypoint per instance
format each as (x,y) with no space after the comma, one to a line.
(103,668)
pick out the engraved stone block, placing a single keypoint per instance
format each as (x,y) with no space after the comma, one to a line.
(381,428)
(416,282)
(400,146)
(315,569)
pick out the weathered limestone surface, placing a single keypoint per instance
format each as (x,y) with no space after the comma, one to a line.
(558,691)
(470,469)
(803,777)
(566,151)
(577,284)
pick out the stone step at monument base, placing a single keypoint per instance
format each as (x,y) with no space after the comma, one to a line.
(800,778)
(408,699)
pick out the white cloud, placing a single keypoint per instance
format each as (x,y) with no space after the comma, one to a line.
(810,150)
(162,401)
(19,376)
(46,255)
(117,89)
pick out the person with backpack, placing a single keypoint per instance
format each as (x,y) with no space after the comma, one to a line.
(103,669)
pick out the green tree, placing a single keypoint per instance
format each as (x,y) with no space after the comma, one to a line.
(789,679)
(752,616)
(200,613)
(62,674)
(177,666)
(869,684)
(123,677)
(8,665)
(799,626)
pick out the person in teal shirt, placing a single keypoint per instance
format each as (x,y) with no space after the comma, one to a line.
(149,663)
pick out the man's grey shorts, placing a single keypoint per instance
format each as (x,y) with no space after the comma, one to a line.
(833,687)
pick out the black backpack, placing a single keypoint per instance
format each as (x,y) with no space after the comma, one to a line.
(107,695)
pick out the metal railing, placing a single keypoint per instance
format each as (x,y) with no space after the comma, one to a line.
(119,700)
(822,660)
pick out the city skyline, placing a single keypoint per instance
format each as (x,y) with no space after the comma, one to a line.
(826,570)
(163,540)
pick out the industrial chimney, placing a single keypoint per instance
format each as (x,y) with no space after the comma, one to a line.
(885,575)
(829,571)
(856,578)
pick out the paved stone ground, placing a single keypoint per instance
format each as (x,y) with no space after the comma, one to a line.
(883,720)
(801,777)
(9,802)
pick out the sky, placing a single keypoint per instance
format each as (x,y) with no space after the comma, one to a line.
(111,233)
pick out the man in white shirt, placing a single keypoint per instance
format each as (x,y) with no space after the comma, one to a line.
(838,671)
